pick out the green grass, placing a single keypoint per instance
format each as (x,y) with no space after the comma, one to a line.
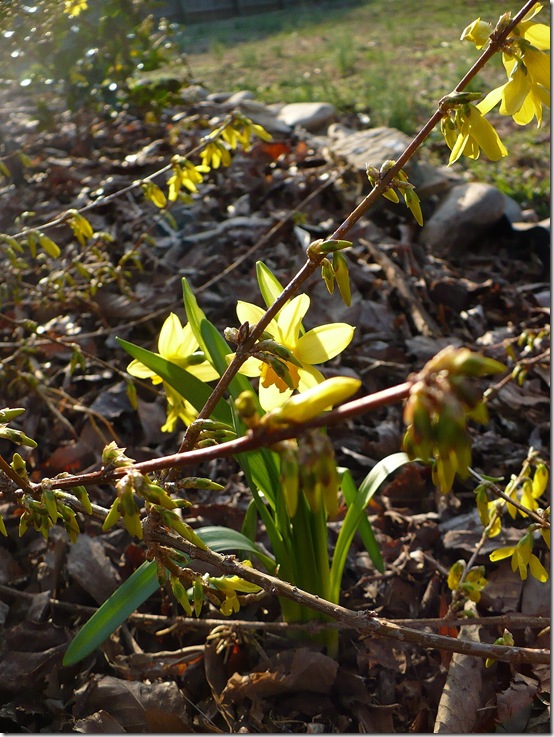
(389,61)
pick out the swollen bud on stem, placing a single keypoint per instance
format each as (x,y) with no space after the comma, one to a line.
(309,404)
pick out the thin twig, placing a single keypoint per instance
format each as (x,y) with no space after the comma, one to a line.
(365,623)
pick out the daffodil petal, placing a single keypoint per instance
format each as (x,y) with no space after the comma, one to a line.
(324,342)
(251,367)
(290,319)
(138,369)
(271,397)
(247,312)
(170,335)
(309,377)
(203,371)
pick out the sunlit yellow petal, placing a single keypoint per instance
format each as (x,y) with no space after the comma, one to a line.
(486,136)
(271,397)
(491,100)
(170,335)
(515,91)
(458,148)
(247,312)
(538,571)
(536,33)
(478,32)
(529,110)
(324,342)
(309,377)
(290,318)
(538,66)
(251,367)
(203,371)
(138,369)
(501,553)
(531,14)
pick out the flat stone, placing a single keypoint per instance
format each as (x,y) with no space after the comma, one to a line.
(238,97)
(260,114)
(377,145)
(309,115)
(466,213)
(373,146)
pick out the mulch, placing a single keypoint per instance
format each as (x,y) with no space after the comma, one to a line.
(161,672)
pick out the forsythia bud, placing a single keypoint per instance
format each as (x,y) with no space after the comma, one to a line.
(309,404)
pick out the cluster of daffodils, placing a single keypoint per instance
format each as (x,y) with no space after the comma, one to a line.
(176,343)
(526,59)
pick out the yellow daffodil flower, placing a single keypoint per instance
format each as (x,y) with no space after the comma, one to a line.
(316,346)
(466,133)
(176,343)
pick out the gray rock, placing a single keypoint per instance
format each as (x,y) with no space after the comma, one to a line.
(376,145)
(373,146)
(260,114)
(465,213)
(239,97)
(512,210)
(309,115)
